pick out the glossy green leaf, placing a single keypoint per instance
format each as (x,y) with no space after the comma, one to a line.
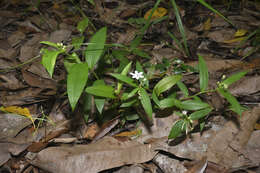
(204,74)
(128,104)
(233,78)
(124,79)
(129,95)
(76,82)
(177,129)
(146,102)
(82,25)
(49,59)
(166,83)
(155,99)
(236,107)
(95,47)
(167,103)
(99,104)
(101,90)
(124,72)
(183,88)
(200,114)
(132,117)
(192,105)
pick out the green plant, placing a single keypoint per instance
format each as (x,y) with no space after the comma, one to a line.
(139,93)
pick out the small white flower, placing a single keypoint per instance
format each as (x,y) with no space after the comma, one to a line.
(178,61)
(184,112)
(137,75)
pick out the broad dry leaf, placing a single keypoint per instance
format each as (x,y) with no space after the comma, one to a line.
(226,146)
(104,154)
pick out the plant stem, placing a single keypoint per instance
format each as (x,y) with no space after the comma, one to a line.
(20,65)
(199,93)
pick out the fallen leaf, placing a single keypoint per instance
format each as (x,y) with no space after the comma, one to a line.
(235,40)
(159,12)
(18,110)
(105,154)
(226,146)
(240,33)
(207,25)
(129,134)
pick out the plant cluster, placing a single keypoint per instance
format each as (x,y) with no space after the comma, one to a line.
(134,91)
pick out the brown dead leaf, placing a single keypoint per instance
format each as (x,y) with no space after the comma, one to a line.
(221,35)
(22,97)
(225,147)
(16,38)
(37,81)
(215,65)
(92,131)
(199,166)
(10,82)
(9,53)
(246,86)
(12,124)
(104,154)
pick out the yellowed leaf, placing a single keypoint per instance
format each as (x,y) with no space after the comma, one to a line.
(235,40)
(207,25)
(18,110)
(159,12)
(129,134)
(257,126)
(240,33)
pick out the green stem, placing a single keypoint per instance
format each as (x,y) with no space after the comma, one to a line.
(199,93)
(20,65)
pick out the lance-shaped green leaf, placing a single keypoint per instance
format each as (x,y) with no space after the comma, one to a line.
(233,78)
(166,83)
(49,59)
(82,25)
(200,114)
(101,90)
(192,105)
(167,103)
(177,129)
(129,95)
(124,79)
(203,2)
(95,47)
(76,81)
(232,100)
(204,74)
(146,102)
(155,99)
(183,88)
(124,72)
(99,102)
